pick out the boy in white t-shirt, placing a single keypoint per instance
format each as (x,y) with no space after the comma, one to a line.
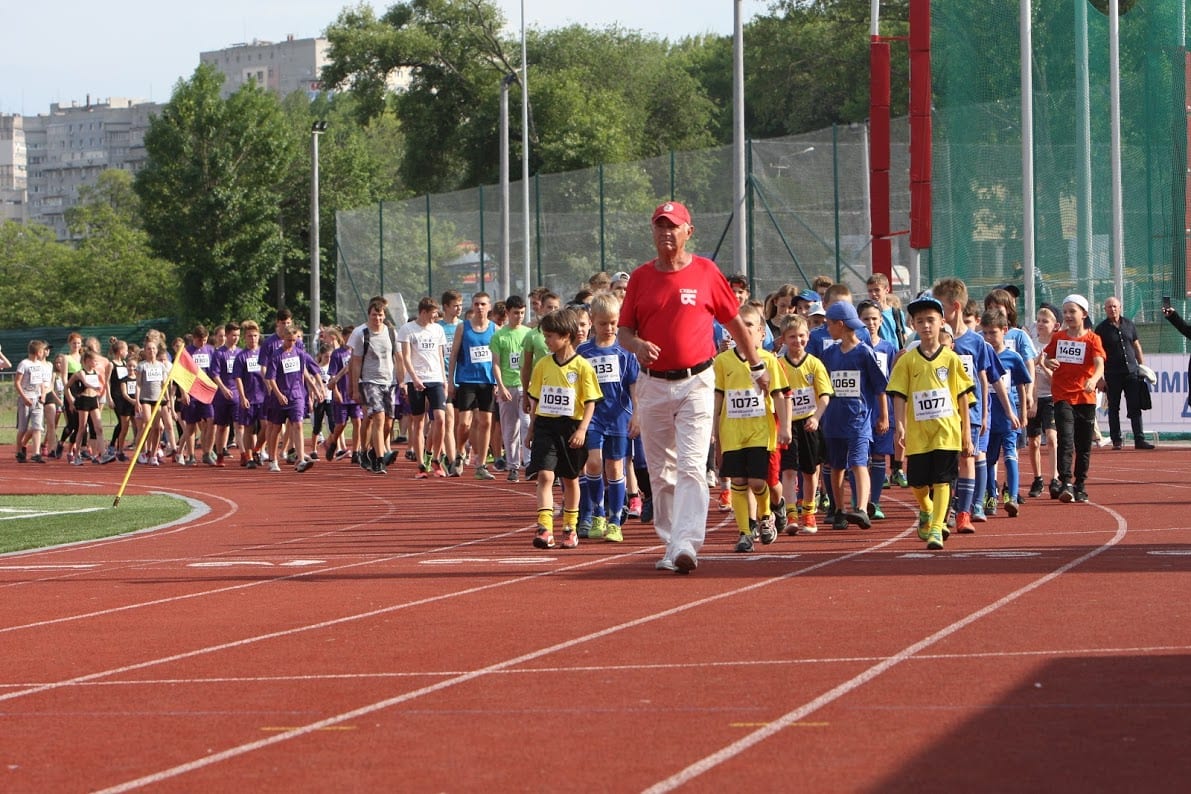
(423,346)
(32,382)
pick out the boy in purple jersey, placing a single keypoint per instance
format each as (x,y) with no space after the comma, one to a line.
(270,345)
(285,378)
(249,375)
(197,416)
(228,396)
(344,408)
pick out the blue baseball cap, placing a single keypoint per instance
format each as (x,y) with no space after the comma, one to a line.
(808,295)
(924,303)
(843,310)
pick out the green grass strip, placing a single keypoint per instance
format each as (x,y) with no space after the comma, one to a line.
(36,521)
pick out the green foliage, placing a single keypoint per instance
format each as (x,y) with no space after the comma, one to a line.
(211,191)
(30,262)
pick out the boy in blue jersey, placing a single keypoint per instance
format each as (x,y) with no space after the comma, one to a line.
(847,425)
(1003,436)
(471,386)
(882,447)
(985,370)
(607,443)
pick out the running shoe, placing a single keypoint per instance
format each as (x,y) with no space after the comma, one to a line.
(1067,494)
(665,564)
(875,512)
(1080,494)
(978,516)
(809,525)
(570,539)
(839,520)
(923,525)
(744,543)
(1037,487)
(635,506)
(274,466)
(768,529)
(686,561)
(514,476)
(1011,508)
(859,518)
(437,470)
(599,525)
(543,538)
(304,464)
(725,501)
(934,540)
(482,473)
(422,473)
(899,479)
(647,511)
(963,523)
(1055,488)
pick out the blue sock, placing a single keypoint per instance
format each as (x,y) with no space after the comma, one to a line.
(614,495)
(964,488)
(981,483)
(1012,477)
(596,487)
(876,475)
(586,505)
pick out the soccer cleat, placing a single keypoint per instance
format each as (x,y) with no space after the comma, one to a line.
(482,473)
(744,543)
(934,540)
(809,525)
(1037,487)
(612,534)
(725,501)
(599,525)
(570,539)
(635,506)
(543,539)
(963,523)
(899,479)
(923,525)
(875,512)
(990,503)
(768,529)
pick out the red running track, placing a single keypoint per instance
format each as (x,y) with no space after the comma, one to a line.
(337,631)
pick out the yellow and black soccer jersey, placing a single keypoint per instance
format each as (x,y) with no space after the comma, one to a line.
(563,389)
(747,416)
(808,381)
(933,388)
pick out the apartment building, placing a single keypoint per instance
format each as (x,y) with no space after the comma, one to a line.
(282,67)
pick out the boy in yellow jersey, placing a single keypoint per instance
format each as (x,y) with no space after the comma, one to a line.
(810,390)
(747,433)
(931,395)
(563,389)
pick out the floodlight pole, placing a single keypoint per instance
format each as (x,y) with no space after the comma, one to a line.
(1026,35)
(316,129)
(505,245)
(1114,95)
(525,250)
(739,177)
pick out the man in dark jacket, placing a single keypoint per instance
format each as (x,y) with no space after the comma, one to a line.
(1123,355)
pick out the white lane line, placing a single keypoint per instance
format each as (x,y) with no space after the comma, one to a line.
(462,678)
(802,712)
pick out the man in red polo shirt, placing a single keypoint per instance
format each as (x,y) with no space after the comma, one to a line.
(666,321)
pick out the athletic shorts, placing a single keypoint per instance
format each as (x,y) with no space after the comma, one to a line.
(83,403)
(122,407)
(552,450)
(294,411)
(30,417)
(1044,420)
(804,453)
(433,397)
(750,463)
(845,453)
(196,412)
(932,468)
(254,413)
(774,478)
(611,447)
(225,413)
(475,397)
(979,442)
(378,398)
(342,413)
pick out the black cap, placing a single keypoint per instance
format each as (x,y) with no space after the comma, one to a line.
(1010,288)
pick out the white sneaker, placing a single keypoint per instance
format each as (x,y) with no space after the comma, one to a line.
(273,466)
(666,564)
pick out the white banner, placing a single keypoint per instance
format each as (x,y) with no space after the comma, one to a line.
(1170,413)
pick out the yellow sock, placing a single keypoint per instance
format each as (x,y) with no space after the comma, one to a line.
(570,519)
(923,496)
(762,498)
(546,518)
(740,506)
(938,515)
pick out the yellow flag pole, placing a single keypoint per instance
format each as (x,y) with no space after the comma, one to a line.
(140,444)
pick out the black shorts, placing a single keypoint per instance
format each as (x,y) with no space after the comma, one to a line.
(552,450)
(433,396)
(805,450)
(932,468)
(475,397)
(748,463)
(83,403)
(1043,420)
(122,407)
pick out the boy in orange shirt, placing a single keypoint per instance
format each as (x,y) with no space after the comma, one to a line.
(1075,358)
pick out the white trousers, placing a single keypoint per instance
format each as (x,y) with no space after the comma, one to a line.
(676,421)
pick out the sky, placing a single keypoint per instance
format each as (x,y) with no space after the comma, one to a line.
(139,49)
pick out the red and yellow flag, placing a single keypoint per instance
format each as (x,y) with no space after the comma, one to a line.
(191,379)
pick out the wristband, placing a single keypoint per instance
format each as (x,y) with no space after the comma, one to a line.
(760,365)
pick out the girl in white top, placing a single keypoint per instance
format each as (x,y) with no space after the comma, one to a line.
(150,380)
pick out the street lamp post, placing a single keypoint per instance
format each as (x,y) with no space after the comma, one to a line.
(316,129)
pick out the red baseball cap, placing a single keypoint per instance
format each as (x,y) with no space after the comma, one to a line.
(673,212)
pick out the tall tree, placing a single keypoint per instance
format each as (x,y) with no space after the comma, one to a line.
(211,191)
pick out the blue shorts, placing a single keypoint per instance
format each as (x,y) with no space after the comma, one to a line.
(883,443)
(846,453)
(638,451)
(1003,444)
(979,442)
(611,447)
(225,412)
(250,415)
